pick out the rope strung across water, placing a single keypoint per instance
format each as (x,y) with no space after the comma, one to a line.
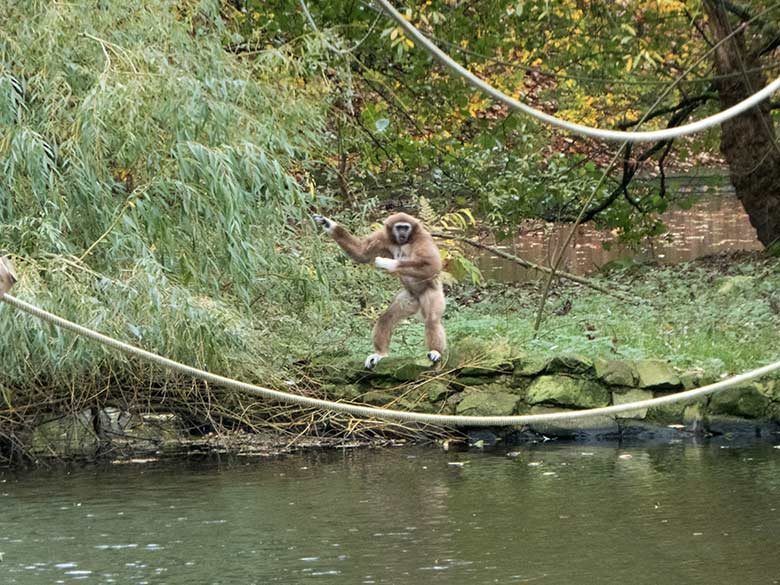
(384,413)
(649,136)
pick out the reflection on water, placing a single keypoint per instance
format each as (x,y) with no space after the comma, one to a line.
(716,223)
(552,513)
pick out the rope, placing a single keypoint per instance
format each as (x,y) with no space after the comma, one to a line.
(369,411)
(649,136)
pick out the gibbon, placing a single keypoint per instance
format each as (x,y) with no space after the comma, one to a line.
(404,248)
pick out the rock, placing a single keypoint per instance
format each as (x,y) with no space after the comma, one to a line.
(641,430)
(436,390)
(378,398)
(721,424)
(69,436)
(383,383)
(481,438)
(488,404)
(583,428)
(632,396)
(478,358)
(745,401)
(341,391)
(530,365)
(694,418)
(567,391)
(158,428)
(338,368)
(570,363)
(656,374)
(696,378)
(113,422)
(473,380)
(616,372)
(403,369)
(667,414)
(770,389)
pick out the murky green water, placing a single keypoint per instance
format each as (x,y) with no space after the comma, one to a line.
(554,513)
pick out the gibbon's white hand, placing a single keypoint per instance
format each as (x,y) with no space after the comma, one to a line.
(327,223)
(386,264)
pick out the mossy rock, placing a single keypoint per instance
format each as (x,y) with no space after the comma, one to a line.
(567,391)
(436,390)
(667,414)
(656,374)
(473,380)
(418,403)
(696,378)
(378,398)
(745,401)
(402,369)
(341,391)
(338,369)
(570,363)
(488,404)
(588,426)
(530,365)
(633,395)
(69,436)
(770,389)
(616,372)
(475,357)
(382,383)
(695,417)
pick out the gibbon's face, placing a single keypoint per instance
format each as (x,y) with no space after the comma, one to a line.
(401,228)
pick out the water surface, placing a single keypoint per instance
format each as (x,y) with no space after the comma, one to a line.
(553,513)
(716,223)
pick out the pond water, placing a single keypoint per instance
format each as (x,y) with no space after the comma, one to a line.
(550,513)
(716,223)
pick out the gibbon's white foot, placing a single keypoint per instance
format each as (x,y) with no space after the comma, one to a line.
(434,356)
(372,360)
(328,224)
(386,263)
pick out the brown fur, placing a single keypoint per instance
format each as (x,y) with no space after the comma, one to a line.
(419,264)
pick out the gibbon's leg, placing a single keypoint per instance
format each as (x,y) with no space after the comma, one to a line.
(404,305)
(432,305)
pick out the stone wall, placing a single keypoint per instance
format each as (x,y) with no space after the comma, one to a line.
(471,383)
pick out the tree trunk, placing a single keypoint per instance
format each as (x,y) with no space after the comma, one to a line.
(748,142)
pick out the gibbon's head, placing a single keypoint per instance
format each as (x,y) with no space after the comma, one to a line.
(401,228)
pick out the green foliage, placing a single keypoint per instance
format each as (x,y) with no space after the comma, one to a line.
(404,125)
(147,187)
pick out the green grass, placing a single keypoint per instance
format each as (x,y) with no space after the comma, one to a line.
(720,314)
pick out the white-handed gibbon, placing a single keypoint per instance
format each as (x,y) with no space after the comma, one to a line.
(405,248)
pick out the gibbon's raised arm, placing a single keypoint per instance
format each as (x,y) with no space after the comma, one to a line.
(361,250)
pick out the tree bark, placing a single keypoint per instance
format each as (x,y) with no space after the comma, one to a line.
(748,142)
